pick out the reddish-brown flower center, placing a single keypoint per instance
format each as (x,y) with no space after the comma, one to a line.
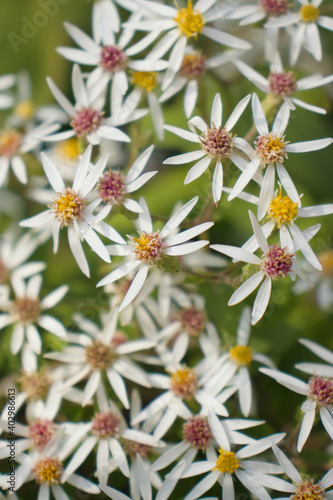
(98,355)
(86,121)
(111,187)
(132,448)
(105,424)
(112,58)
(27,310)
(275,7)
(184,382)
(41,431)
(277,262)
(192,320)
(149,247)
(271,148)
(283,83)
(197,432)
(217,142)
(321,390)
(35,384)
(193,65)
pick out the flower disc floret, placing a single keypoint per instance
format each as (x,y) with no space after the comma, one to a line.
(271,148)
(25,110)
(190,22)
(217,142)
(283,83)
(26,310)
(40,432)
(86,121)
(275,7)
(105,424)
(67,207)
(133,447)
(98,355)
(184,382)
(321,390)
(282,209)
(241,354)
(149,247)
(35,385)
(227,462)
(48,471)
(309,491)
(112,58)
(192,320)
(196,431)
(111,187)
(69,149)
(146,80)
(193,65)
(10,142)
(277,262)
(326,260)
(309,13)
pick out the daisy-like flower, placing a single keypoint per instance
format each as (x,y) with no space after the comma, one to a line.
(97,351)
(68,208)
(319,393)
(277,261)
(283,84)
(6,82)
(216,143)
(182,24)
(114,187)
(154,247)
(306,33)
(255,475)
(232,367)
(86,116)
(27,310)
(282,213)
(302,488)
(271,149)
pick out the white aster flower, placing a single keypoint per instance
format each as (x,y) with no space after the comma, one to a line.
(255,475)
(68,209)
(182,24)
(97,351)
(6,82)
(270,153)
(319,393)
(28,309)
(86,116)
(276,261)
(154,248)
(306,32)
(216,143)
(283,84)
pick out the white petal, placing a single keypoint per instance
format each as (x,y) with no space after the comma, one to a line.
(327,420)
(287,380)
(217,183)
(304,247)
(156,114)
(177,218)
(267,191)
(119,456)
(139,164)
(119,273)
(186,248)
(54,297)
(83,484)
(259,116)
(77,251)
(19,169)
(204,485)
(188,234)
(79,456)
(305,429)
(237,253)
(184,158)
(118,386)
(190,97)
(246,288)
(52,174)
(304,147)
(225,38)
(287,466)
(261,301)
(114,494)
(216,114)
(237,112)
(261,239)
(197,169)
(281,120)
(228,488)
(184,134)
(62,100)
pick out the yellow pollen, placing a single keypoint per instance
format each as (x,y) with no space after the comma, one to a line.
(241,354)
(309,13)
(326,260)
(271,148)
(67,207)
(48,471)
(275,144)
(227,462)
(184,382)
(283,209)
(69,150)
(145,79)
(25,110)
(148,247)
(190,22)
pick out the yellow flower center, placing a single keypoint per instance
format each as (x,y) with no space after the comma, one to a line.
(270,148)
(241,354)
(147,80)
(227,462)
(308,491)
(25,110)
(283,209)
(67,207)
(69,150)
(326,260)
(35,385)
(10,142)
(309,13)
(184,382)
(190,22)
(148,247)
(48,471)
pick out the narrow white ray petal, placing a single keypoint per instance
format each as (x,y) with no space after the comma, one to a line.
(287,183)
(287,380)
(190,97)
(246,288)
(119,273)
(79,457)
(119,456)
(259,116)
(84,41)
(327,419)
(266,192)
(139,164)
(184,158)
(189,233)
(198,169)
(170,456)
(305,429)
(145,221)
(325,22)
(52,174)
(244,178)
(252,485)
(170,482)
(52,325)
(78,56)
(19,169)
(204,485)
(177,85)
(237,253)
(197,122)
(217,182)
(327,480)
(156,114)
(319,350)
(135,287)
(252,75)
(258,232)
(216,114)
(62,100)
(218,431)
(59,493)
(186,248)
(304,247)
(237,112)
(281,120)
(316,211)
(54,297)
(77,251)
(79,89)
(225,38)
(261,301)
(91,387)
(113,133)
(304,147)
(177,218)
(112,493)
(245,391)
(312,37)
(228,492)
(184,134)
(310,107)
(175,61)
(286,465)
(83,484)
(118,385)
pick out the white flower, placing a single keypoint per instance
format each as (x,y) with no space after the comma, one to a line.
(306,32)
(68,209)
(97,351)
(182,24)
(271,151)
(105,11)
(317,368)
(87,120)
(28,309)
(216,143)
(276,261)
(154,248)
(319,393)
(6,82)
(283,84)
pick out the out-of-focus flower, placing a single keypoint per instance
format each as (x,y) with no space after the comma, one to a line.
(6,82)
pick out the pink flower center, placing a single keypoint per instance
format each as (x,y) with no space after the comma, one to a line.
(41,432)
(132,448)
(105,424)
(193,321)
(277,262)
(283,83)
(112,58)
(111,187)
(217,142)
(197,432)
(193,65)
(321,390)
(10,142)
(86,121)
(98,355)
(275,7)
(184,382)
